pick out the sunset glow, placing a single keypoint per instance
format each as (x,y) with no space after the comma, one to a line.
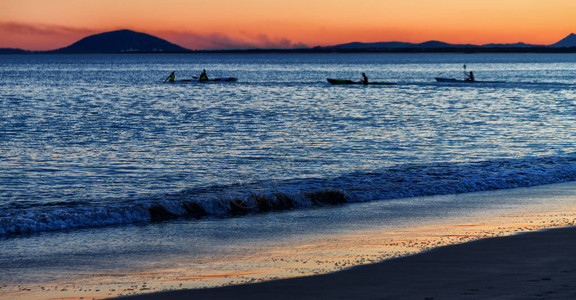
(44,25)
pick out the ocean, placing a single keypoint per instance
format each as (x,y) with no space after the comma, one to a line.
(104,166)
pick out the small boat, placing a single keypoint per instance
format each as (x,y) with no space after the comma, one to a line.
(209,80)
(179,81)
(220,79)
(453,80)
(346,81)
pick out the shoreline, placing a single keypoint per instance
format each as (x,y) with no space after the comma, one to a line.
(187,257)
(527,265)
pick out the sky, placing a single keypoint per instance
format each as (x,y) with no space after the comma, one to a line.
(221,24)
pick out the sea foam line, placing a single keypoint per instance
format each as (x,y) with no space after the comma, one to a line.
(232,201)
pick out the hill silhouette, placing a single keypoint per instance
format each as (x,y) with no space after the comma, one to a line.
(128,41)
(12,51)
(429,45)
(121,41)
(569,41)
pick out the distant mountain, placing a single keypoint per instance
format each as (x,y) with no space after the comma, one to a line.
(12,51)
(515,45)
(397,45)
(440,45)
(567,42)
(128,41)
(121,41)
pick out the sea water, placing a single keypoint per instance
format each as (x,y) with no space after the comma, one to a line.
(92,146)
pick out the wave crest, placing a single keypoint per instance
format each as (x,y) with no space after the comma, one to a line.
(241,200)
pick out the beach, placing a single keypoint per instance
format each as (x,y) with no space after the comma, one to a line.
(516,251)
(536,265)
(518,244)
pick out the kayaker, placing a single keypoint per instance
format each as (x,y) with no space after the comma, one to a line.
(203,76)
(364,79)
(171,77)
(470,76)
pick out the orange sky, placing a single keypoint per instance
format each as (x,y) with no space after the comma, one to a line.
(50,24)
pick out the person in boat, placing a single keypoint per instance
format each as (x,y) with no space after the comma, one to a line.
(203,76)
(364,79)
(470,76)
(171,77)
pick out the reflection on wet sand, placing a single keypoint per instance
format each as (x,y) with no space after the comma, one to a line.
(327,253)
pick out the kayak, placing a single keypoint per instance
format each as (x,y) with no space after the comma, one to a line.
(464,81)
(345,81)
(179,81)
(209,80)
(220,79)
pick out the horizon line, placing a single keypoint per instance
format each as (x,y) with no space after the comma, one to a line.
(304,47)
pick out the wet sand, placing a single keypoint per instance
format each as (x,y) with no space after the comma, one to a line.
(535,265)
(255,259)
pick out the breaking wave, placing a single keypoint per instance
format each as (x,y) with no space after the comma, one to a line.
(239,200)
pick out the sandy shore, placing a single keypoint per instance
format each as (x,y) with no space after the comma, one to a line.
(536,265)
(177,260)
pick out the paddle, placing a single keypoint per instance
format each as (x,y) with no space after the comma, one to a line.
(167,78)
